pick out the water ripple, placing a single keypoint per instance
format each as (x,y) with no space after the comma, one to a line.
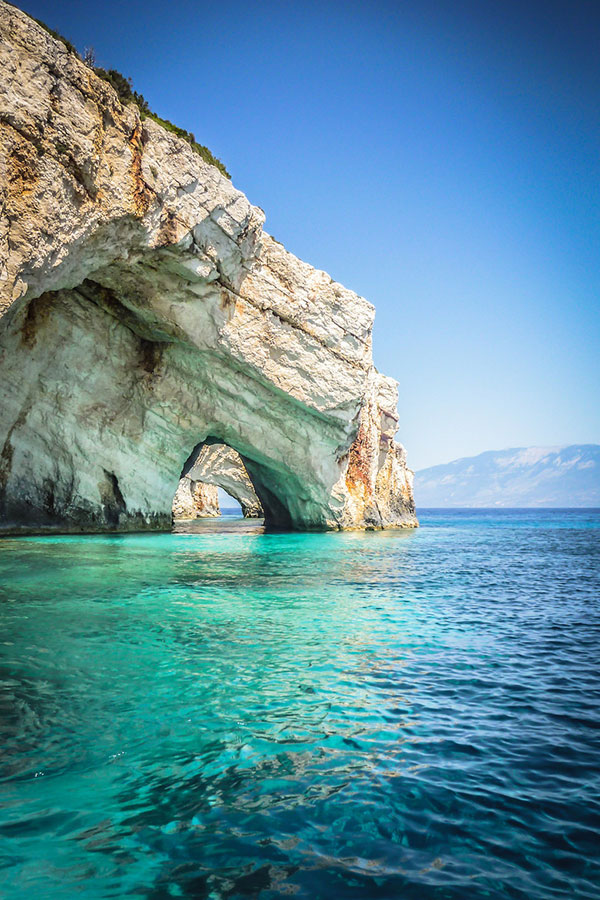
(342,717)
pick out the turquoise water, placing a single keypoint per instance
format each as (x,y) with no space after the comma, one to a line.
(248,715)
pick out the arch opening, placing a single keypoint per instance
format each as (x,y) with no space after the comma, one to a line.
(213,467)
(229,505)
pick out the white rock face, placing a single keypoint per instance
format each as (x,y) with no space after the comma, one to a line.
(194,500)
(144,311)
(219,465)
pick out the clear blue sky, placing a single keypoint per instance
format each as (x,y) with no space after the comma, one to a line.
(440,158)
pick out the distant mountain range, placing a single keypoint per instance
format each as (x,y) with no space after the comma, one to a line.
(521,476)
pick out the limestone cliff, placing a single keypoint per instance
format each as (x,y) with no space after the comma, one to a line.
(144,312)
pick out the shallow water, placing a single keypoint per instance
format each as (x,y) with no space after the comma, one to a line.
(398,715)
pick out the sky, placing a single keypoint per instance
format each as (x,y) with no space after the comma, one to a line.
(439,157)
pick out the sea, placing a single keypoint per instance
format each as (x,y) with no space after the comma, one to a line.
(227,713)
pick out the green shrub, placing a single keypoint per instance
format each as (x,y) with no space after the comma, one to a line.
(126,94)
(124,88)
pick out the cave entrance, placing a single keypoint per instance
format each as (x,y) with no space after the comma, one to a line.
(215,481)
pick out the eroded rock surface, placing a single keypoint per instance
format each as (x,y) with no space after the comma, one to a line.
(195,500)
(145,311)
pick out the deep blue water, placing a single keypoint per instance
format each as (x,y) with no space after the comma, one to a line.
(333,717)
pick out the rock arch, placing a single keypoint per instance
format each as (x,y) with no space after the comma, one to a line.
(143,309)
(220,466)
(210,467)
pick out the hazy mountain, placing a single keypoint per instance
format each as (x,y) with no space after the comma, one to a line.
(522,476)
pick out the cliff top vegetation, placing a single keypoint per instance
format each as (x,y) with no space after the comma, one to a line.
(126,94)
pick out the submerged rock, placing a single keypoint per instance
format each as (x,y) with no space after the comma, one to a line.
(145,311)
